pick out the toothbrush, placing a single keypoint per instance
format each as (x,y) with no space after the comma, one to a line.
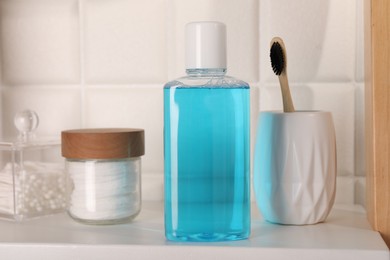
(279,66)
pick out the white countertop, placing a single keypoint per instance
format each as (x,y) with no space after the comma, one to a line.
(345,235)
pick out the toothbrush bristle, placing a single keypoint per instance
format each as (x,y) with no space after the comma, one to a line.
(277,58)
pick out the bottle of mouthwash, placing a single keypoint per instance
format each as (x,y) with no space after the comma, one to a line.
(206,144)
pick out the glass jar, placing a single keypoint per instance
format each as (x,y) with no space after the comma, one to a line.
(104,173)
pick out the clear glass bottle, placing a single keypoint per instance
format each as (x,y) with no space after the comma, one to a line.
(206,144)
(104,170)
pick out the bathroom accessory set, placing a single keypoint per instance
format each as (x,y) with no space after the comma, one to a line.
(206,157)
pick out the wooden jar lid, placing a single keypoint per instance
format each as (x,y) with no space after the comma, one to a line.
(103,143)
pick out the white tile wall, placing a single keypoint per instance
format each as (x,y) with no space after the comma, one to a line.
(39,42)
(124,41)
(359,131)
(98,63)
(359,42)
(359,192)
(345,186)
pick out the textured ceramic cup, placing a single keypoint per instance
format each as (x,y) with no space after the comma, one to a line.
(295,166)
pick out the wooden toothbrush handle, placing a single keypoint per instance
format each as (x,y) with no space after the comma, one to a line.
(288,105)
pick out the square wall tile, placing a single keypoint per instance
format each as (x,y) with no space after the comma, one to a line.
(319,38)
(359,131)
(359,41)
(39,42)
(339,99)
(360,191)
(124,41)
(241,20)
(138,107)
(345,190)
(270,98)
(2,114)
(58,108)
(152,187)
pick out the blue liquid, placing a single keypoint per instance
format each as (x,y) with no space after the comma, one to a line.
(206,152)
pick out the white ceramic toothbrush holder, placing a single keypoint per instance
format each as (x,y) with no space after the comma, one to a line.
(295,166)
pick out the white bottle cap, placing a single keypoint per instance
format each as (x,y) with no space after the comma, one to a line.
(205,45)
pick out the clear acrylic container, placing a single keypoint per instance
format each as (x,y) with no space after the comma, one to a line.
(32,176)
(104,169)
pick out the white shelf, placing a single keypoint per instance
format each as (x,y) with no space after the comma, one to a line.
(345,235)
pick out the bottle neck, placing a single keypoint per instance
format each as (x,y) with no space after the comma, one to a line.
(206,72)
